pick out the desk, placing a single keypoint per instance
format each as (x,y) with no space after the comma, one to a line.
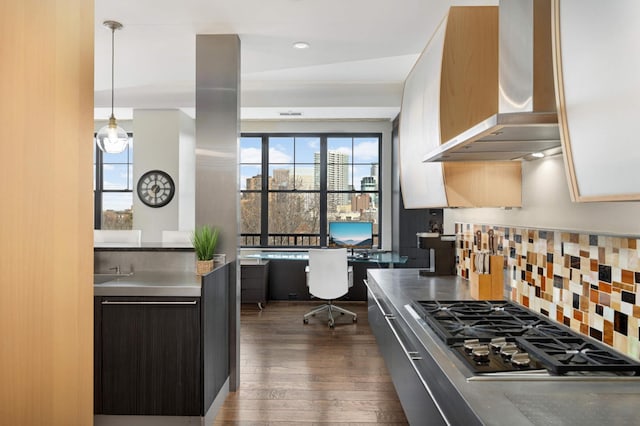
(287,279)
(378,258)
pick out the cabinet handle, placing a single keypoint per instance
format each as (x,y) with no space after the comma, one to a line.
(415,356)
(110,302)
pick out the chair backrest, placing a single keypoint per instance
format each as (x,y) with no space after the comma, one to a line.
(117,236)
(328,273)
(176,236)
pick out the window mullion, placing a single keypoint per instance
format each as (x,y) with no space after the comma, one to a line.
(97,196)
(264,199)
(323,191)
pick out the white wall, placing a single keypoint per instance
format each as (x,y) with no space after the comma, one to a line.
(546,204)
(379,126)
(187,174)
(157,136)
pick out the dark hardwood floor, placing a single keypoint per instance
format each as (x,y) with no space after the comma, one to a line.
(292,373)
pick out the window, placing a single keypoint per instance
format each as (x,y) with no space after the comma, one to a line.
(293,185)
(113,188)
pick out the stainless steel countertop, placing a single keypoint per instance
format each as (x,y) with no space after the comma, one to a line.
(151,283)
(515,400)
(159,246)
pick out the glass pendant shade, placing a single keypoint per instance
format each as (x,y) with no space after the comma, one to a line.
(112,138)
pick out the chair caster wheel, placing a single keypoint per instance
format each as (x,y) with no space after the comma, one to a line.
(355,319)
(331,325)
(306,321)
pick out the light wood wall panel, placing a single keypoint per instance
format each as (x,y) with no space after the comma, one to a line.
(46,310)
(469,81)
(544,98)
(484,184)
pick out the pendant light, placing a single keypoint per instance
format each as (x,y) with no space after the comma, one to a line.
(112,138)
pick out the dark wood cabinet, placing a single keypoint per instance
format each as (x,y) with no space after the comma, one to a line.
(288,280)
(216,298)
(162,355)
(151,352)
(254,283)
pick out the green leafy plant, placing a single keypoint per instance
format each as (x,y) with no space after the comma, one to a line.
(204,240)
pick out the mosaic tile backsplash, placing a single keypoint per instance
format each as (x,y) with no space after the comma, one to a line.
(587,282)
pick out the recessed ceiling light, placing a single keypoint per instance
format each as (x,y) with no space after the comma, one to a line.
(301,45)
(537,154)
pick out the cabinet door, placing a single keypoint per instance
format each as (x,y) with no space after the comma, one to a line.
(598,90)
(418,379)
(422,183)
(287,280)
(150,355)
(254,283)
(416,401)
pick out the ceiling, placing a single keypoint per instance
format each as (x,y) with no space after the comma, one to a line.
(360,53)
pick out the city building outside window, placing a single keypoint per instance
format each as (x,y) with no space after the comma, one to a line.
(292,186)
(113,188)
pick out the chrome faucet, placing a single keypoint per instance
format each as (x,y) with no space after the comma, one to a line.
(116,268)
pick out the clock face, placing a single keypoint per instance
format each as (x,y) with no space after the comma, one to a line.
(156,188)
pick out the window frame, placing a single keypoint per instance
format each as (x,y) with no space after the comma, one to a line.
(99,189)
(265,191)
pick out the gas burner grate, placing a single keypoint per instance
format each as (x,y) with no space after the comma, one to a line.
(460,329)
(482,307)
(455,321)
(563,355)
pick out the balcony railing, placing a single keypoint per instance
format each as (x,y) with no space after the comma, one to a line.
(281,240)
(286,240)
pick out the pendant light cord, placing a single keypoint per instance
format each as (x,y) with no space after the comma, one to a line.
(113,31)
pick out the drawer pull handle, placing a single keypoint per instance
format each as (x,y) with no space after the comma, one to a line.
(110,302)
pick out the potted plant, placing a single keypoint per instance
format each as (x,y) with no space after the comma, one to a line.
(204,240)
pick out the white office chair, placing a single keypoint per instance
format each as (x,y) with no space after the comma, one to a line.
(329,277)
(117,236)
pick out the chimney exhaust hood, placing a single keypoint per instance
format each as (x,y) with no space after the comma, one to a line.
(526,120)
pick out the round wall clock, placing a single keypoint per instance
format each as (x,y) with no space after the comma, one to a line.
(156,188)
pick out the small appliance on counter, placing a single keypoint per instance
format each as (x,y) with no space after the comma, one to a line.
(441,253)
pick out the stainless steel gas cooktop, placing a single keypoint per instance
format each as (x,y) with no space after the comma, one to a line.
(500,336)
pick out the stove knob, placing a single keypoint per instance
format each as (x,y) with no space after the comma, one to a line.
(469,344)
(509,350)
(521,359)
(497,343)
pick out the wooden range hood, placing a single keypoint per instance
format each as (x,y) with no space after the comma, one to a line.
(497,99)
(452,87)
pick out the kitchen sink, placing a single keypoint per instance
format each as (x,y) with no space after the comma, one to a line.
(103,278)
